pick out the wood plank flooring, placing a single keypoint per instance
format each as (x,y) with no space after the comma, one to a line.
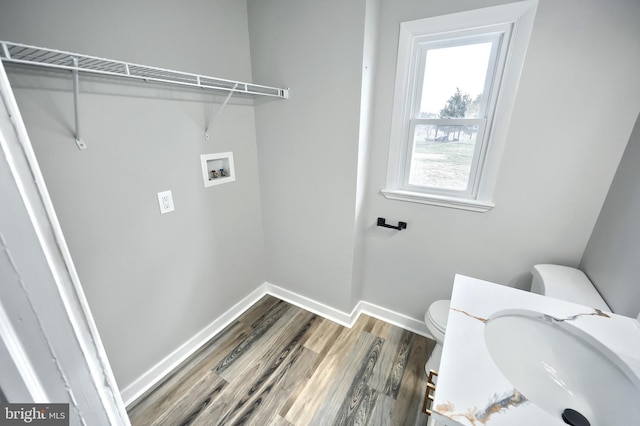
(280,365)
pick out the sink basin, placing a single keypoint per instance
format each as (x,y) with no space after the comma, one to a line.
(557,366)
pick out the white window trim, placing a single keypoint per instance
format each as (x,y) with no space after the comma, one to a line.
(520,16)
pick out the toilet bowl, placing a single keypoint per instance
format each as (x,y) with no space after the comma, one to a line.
(436,320)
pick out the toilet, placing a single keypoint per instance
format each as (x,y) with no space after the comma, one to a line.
(560,282)
(436,320)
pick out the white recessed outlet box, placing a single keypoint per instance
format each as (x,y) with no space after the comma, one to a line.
(217,168)
(165,200)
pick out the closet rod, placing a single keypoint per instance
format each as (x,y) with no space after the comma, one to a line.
(50,58)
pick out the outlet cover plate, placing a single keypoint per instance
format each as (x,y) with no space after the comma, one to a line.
(165,200)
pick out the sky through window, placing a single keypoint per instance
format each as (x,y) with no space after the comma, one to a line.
(448,68)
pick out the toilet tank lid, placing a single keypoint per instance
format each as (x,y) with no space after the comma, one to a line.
(570,284)
(439,313)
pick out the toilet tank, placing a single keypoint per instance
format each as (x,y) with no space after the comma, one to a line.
(566,283)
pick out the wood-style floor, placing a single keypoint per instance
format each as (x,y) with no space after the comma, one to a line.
(278,364)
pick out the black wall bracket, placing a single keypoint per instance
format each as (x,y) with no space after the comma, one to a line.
(383,222)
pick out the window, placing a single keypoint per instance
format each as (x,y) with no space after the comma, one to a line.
(455,84)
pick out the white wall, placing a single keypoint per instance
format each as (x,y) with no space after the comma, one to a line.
(308,146)
(152,281)
(573,114)
(611,257)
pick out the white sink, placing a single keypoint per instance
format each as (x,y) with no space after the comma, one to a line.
(557,366)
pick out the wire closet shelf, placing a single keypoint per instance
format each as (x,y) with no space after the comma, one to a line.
(50,58)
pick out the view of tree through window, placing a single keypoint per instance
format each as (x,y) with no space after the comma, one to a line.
(452,90)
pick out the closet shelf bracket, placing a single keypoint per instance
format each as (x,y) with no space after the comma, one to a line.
(76,107)
(224,104)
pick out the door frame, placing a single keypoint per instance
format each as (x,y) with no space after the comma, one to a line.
(50,348)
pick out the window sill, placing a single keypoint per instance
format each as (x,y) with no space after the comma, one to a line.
(438,200)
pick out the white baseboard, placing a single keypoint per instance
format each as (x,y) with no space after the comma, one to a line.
(153,376)
(311,305)
(400,320)
(131,393)
(348,319)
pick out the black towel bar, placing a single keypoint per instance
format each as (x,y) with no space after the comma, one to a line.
(383,222)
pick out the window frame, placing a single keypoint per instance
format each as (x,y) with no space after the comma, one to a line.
(498,35)
(512,23)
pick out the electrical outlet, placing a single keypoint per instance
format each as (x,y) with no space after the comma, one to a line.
(165,199)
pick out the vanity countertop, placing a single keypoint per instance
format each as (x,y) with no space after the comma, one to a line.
(472,391)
